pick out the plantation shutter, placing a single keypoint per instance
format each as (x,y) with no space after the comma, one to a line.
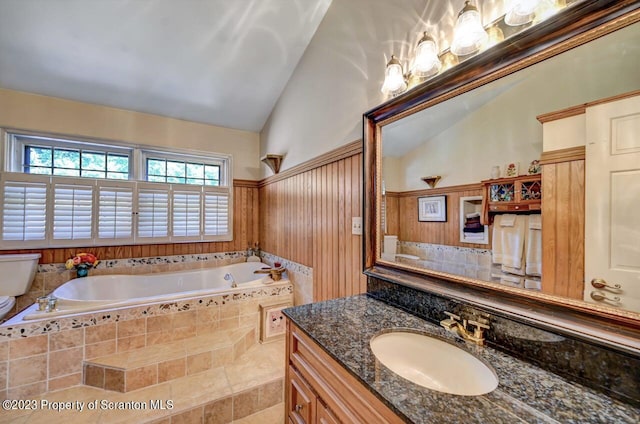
(72,209)
(216,213)
(153,211)
(186,212)
(115,211)
(24,208)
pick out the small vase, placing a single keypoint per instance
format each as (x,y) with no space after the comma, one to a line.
(82,270)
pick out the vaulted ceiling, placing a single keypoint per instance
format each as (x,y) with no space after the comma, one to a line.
(221,62)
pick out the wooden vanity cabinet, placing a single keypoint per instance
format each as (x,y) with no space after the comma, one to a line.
(513,194)
(319,390)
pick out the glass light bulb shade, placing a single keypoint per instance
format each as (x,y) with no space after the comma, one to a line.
(520,12)
(426,62)
(394,82)
(468,35)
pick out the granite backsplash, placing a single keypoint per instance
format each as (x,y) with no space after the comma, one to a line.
(614,372)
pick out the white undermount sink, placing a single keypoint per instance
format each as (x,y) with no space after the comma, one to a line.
(433,363)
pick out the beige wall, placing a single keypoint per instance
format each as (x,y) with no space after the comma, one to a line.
(32,112)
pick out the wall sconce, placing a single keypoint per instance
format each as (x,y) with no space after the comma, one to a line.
(394,78)
(468,34)
(520,12)
(426,62)
(273,162)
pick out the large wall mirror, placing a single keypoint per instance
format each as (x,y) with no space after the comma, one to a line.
(495,174)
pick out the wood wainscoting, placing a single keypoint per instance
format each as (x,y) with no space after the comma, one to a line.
(245,232)
(563,211)
(402,216)
(306,216)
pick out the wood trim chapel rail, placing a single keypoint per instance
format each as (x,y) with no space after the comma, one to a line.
(348,150)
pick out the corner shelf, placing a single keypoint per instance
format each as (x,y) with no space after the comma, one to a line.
(472,204)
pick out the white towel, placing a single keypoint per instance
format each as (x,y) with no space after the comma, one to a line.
(508,220)
(509,280)
(530,283)
(535,222)
(533,250)
(496,244)
(473,215)
(508,244)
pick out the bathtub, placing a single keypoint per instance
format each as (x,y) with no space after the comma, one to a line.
(102,292)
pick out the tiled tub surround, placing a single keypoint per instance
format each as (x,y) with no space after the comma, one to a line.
(464,261)
(51,276)
(526,393)
(614,371)
(46,355)
(474,263)
(300,276)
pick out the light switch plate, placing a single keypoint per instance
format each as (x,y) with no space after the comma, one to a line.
(356,225)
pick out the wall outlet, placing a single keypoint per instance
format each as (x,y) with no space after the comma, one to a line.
(356,225)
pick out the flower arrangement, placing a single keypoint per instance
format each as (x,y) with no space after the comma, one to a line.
(82,262)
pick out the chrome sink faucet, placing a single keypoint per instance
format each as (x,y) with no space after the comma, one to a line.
(453,325)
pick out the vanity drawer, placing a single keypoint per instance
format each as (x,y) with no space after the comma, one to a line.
(302,400)
(348,400)
(325,416)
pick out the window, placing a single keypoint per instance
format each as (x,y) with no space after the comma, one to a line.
(50,156)
(62,192)
(176,169)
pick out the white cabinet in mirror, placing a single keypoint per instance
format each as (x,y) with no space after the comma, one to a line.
(527,115)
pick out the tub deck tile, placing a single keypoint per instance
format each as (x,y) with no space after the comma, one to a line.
(134,369)
(218,393)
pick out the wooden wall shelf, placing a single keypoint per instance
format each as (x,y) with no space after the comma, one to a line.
(513,195)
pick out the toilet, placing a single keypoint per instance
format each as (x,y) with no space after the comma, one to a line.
(16,275)
(389,248)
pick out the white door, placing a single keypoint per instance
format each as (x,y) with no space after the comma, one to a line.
(612,196)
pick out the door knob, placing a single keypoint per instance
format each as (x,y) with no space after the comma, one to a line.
(599,283)
(599,296)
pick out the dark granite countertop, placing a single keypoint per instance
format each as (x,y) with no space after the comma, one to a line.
(343,328)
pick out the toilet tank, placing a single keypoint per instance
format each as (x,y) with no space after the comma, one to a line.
(17,273)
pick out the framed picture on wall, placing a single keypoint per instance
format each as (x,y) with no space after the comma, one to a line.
(272,321)
(432,209)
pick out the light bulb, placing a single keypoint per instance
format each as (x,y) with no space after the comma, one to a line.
(426,62)
(394,82)
(468,35)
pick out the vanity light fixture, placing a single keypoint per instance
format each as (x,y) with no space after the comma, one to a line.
(426,62)
(394,78)
(495,36)
(468,35)
(520,12)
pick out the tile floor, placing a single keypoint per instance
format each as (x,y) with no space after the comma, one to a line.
(249,390)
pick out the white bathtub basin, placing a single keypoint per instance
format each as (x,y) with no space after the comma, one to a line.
(433,363)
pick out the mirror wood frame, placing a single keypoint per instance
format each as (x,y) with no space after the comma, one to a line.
(572,27)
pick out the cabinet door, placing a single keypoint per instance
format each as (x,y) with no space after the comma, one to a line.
(302,401)
(325,416)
